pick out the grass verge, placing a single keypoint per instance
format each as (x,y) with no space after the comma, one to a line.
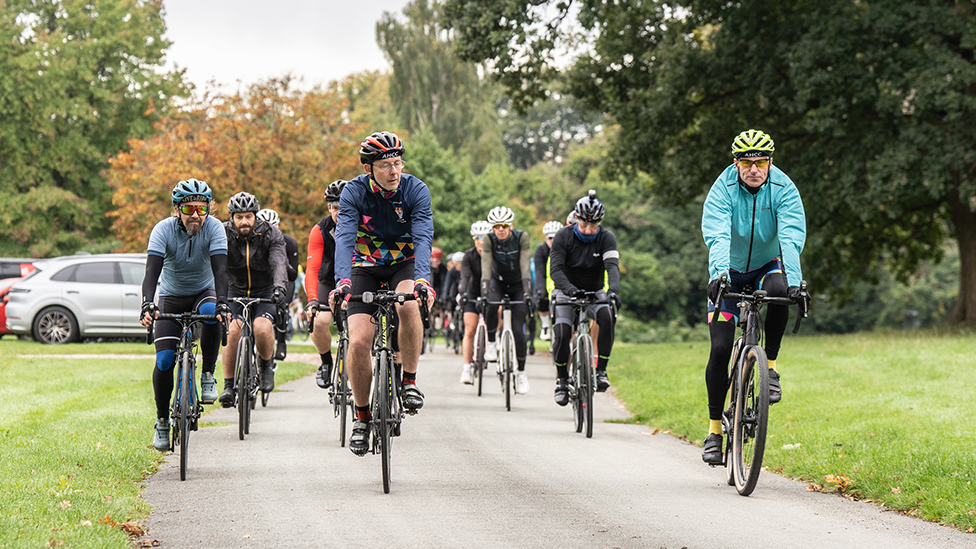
(75,437)
(877,416)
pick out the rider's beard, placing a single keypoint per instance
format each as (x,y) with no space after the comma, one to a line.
(193,227)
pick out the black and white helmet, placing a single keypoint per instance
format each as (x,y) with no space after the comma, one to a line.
(589,208)
(334,191)
(551,228)
(243,202)
(270,216)
(480,228)
(501,216)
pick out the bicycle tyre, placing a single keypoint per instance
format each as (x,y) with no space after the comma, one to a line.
(576,375)
(728,415)
(384,388)
(242,382)
(301,326)
(508,366)
(186,393)
(342,390)
(586,383)
(481,339)
(751,418)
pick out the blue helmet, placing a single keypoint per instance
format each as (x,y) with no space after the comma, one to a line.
(191,190)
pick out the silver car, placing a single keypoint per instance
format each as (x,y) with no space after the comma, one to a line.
(81,296)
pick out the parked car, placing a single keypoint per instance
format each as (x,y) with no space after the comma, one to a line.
(82,296)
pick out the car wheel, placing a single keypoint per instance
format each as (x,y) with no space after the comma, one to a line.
(55,325)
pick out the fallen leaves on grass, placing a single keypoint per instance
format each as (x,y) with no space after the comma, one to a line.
(132,528)
(840,482)
(896,490)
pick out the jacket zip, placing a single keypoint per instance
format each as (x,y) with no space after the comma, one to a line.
(247,263)
(752,231)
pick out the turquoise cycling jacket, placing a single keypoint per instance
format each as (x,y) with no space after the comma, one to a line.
(745,231)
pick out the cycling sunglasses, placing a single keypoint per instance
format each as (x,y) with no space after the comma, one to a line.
(188,209)
(748,164)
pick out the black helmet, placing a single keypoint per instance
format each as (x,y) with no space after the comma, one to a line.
(379,146)
(334,191)
(243,202)
(589,208)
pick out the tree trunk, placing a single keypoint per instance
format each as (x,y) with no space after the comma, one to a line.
(964,220)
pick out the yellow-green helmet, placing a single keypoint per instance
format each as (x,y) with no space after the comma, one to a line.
(752,141)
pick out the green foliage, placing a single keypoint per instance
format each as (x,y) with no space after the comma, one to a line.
(77,80)
(869,102)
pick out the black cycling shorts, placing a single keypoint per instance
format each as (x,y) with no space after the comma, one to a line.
(370,279)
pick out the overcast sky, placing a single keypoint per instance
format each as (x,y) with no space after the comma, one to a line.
(251,40)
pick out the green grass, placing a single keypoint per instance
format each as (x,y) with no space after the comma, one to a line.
(75,440)
(880,416)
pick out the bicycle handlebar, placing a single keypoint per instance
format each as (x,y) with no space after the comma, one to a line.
(759,297)
(390,297)
(186,318)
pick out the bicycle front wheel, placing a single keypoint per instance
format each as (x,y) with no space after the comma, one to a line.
(481,339)
(576,375)
(242,381)
(185,397)
(585,352)
(341,387)
(751,415)
(508,365)
(384,393)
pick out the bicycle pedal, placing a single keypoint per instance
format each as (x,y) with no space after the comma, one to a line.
(411,412)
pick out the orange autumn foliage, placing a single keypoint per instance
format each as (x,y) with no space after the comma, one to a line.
(282,145)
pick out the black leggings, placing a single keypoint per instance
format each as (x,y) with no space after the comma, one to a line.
(562,332)
(722,334)
(497,289)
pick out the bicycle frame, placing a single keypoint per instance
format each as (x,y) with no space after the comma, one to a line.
(245,369)
(506,351)
(582,369)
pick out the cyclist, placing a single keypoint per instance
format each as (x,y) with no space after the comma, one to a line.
(453,277)
(187,258)
(541,260)
(291,252)
(320,280)
(583,258)
(468,287)
(384,233)
(256,267)
(754,226)
(438,280)
(505,272)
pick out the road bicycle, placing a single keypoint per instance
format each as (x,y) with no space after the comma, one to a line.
(582,368)
(246,380)
(506,349)
(340,396)
(186,409)
(300,326)
(745,420)
(455,326)
(386,405)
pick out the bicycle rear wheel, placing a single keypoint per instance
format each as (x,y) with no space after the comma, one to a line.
(243,382)
(585,351)
(481,339)
(185,398)
(751,416)
(384,392)
(508,365)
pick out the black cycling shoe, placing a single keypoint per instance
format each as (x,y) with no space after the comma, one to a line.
(602,381)
(712,453)
(323,377)
(359,440)
(266,374)
(227,397)
(281,352)
(775,391)
(413,399)
(562,391)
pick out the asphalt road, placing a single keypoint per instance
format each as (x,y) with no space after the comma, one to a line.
(468,473)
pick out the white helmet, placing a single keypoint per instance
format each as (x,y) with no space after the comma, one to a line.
(269,215)
(457,257)
(501,216)
(551,228)
(480,228)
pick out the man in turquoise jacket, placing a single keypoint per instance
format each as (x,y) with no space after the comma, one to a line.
(754,226)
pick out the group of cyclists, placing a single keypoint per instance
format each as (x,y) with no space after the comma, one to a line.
(379,233)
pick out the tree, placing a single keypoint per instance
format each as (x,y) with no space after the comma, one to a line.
(432,90)
(77,80)
(281,145)
(871,105)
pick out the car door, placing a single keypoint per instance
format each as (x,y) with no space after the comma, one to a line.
(132,274)
(94,294)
